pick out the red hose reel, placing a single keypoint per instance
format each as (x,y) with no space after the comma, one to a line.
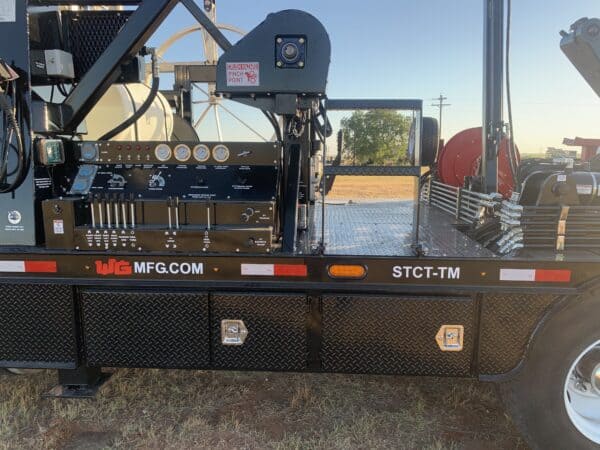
(461,157)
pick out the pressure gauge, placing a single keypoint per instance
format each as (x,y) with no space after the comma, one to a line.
(162,152)
(89,151)
(182,153)
(201,153)
(221,153)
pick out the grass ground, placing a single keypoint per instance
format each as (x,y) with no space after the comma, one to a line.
(151,409)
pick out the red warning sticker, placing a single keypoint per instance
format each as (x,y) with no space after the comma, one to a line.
(243,74)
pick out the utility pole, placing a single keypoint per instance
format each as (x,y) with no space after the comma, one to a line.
(441,105)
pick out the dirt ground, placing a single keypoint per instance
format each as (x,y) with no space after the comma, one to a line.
(357,188)
(152,409)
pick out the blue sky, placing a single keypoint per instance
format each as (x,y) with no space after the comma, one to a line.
(419,49)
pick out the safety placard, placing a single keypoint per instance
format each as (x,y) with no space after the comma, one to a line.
(243,74)
(8,10)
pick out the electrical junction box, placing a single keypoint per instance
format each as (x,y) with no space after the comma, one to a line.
(55,64)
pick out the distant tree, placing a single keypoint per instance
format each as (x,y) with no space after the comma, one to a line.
(376,137)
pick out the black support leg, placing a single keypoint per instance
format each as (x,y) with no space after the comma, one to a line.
(83,382)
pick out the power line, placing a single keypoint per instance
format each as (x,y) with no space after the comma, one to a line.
(441,105)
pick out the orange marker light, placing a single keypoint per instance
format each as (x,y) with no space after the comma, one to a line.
(348,271)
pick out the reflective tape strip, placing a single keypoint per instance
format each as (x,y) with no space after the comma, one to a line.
(275,270)
(553,276)
(258,270)
(536,275)
(517,275)
(291,270)
(41,267)
(28,267)
(12,266)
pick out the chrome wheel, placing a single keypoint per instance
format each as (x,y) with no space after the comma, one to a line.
(582,393)
(22,371)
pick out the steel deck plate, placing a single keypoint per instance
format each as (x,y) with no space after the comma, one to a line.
(384,228)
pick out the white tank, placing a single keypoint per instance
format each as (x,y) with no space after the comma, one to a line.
(120,103)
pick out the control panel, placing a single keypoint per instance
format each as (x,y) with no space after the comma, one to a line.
(168,196)
(235,153)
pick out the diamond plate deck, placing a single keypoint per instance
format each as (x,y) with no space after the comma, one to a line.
(384,228)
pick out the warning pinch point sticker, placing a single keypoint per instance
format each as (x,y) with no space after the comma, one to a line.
(243,74)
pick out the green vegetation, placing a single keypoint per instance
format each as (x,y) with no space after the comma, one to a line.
(376,137)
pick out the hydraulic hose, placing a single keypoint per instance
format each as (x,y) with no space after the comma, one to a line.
(12,132)
(145,106)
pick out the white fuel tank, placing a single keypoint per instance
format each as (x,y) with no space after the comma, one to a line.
(120,103)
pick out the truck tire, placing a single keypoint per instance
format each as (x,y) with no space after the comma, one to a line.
(430,141)
(555,404)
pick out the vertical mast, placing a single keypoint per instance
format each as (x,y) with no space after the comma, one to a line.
(493,81)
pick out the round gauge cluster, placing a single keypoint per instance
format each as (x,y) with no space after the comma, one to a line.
(220,153)
(163,152)
(201,153)
(183,153)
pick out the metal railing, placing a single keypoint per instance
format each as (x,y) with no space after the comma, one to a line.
(468,207)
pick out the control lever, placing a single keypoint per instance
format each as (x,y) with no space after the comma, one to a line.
(177,213)
(117,213)
(107,206)
(92,203)
(132,210)
(100,212)
(123,210)
(169,204)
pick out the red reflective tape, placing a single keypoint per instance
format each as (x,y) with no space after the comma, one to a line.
(553,276)
(289,270)
(41,267)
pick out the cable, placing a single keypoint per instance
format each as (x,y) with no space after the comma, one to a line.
(11,129)
(324,129)
(145,106)
(63,90)
(275,124)
(512,153)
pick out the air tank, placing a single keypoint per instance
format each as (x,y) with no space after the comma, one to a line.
(120,103)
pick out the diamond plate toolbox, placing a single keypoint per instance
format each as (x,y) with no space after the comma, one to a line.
(276,326)
(146,329)
(37,326)
(394,335)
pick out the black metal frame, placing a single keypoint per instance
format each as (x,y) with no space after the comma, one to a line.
(142,24)
(224,272)
(291,195)
(416,107)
